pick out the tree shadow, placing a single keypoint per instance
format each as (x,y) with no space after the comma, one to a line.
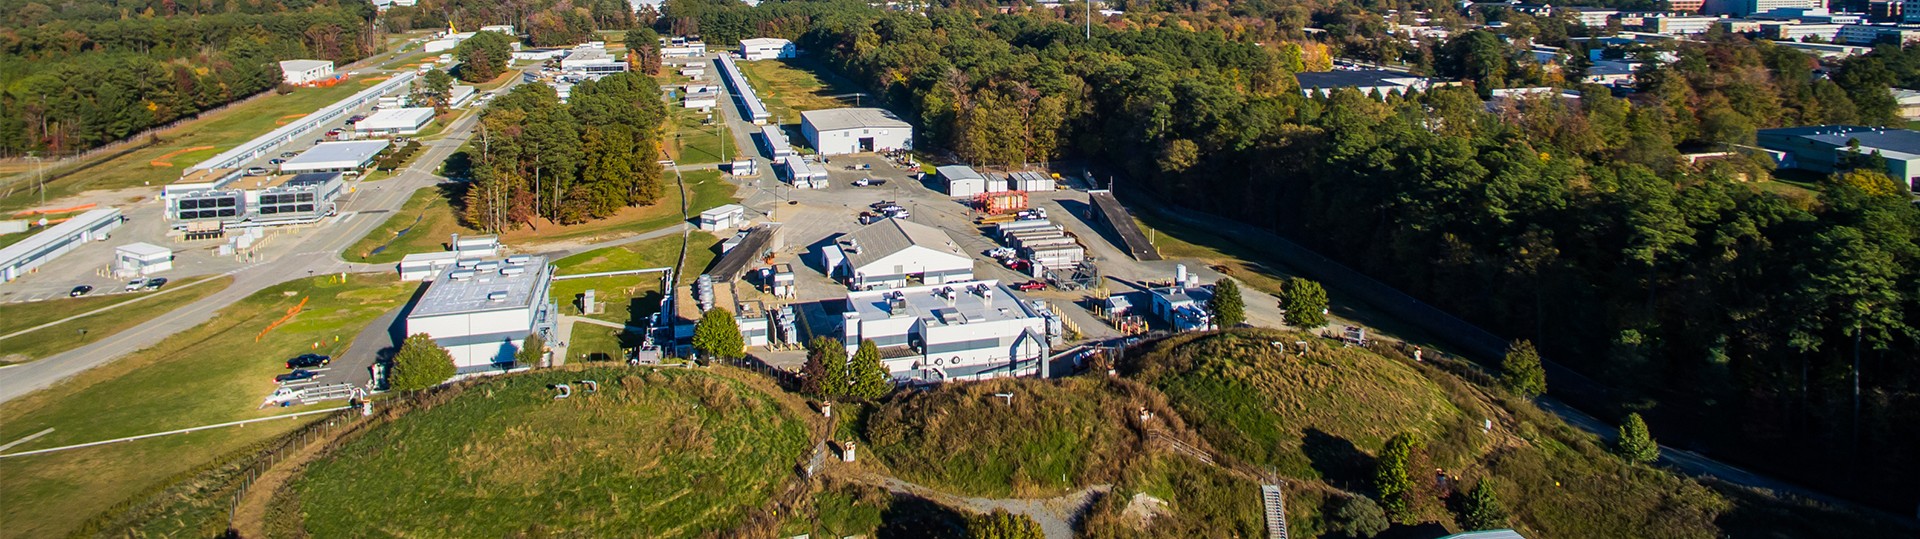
(1339,462)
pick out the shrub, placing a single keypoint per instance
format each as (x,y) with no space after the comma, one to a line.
(1003,525)
(419,364)
(531,351)
(1359,517)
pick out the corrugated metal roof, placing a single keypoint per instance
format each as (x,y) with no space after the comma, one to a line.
(852,118)
(883,239)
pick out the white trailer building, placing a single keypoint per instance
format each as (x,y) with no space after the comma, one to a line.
(18,259)
(393,122)
(803,173)
(777,146)
(140,260)
(766,48)
(955,331)
(335,157)
(305,72)
(483,311)
(726,217)
(855,130)
(896,253)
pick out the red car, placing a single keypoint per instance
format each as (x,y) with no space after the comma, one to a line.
(1030,286)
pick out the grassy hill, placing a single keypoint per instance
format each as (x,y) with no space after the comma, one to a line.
(653,453)
(1323,415)
(1048,438)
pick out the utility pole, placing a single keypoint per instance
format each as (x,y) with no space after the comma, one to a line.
(1089,21)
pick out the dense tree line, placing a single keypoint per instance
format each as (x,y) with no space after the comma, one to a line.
(546,23)
(1732,311)
(146,65)
(540,159)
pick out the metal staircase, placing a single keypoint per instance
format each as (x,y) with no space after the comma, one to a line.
(1276,509)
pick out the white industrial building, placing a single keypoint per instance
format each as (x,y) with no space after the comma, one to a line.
(335,157)
(766,48)
(140,260)
(1183,304)
(946,332)
(285,199)
(896,253)
(428,266)
(726,217)
(20,258)
(227,166)
(482,311)
(592,59)
(305,72)
(962,180)
(459,94)
(392,122)
(683,49)
(701,101)
(855,130)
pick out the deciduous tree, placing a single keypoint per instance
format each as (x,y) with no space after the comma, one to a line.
(1520,370)
(870,379)
(1636,443)
(717,335)
(1306,303)
(419,364)
(825,374)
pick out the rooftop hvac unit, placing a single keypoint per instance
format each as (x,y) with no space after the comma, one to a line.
(519,260)
(512,271)
(467,263)
(487,266)
(461,275)
(498,296)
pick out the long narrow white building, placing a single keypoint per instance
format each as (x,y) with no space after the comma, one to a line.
(20,258)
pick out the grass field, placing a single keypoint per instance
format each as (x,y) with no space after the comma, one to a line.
(667,453)
(429,220)
(80,332)
(628,298)
(213,373)
(795,85)
(1319,418)
(1050,438)
(1199,501)
(222,130)
(690,140)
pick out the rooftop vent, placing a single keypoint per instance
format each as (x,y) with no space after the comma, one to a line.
(461,275)
(519,260)
(487,266)
(467,262)
(497,296)
(512,271)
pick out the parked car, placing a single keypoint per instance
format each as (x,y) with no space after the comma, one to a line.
(257,171)
(295,376)
(81,290)
(308,361)
(135,285)
(1030,286)
(275,161)
(997,253)
(156,282)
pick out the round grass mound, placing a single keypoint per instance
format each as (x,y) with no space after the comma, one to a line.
(1299,413)
(653,454)
(1046,438)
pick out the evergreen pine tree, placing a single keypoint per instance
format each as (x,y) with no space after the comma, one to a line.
(1636,443)
(825,374)
(870,377)
(1520,371)
(1482,509)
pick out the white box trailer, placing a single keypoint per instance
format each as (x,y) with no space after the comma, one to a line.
(1057,257)
(1030,224)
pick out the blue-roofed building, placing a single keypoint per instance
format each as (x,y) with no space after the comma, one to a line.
(1828,148)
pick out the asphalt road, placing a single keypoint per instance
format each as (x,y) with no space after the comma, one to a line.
(317,252)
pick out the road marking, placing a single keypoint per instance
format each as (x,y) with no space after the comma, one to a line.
(29,438)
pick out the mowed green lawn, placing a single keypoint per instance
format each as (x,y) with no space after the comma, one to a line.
(210,374)
(131,309)
(655,453)
(424,225)
(794,85)
(691,140)
(222,131)
(433,212)
(628,298)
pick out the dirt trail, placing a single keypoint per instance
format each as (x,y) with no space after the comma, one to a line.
(250,516)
